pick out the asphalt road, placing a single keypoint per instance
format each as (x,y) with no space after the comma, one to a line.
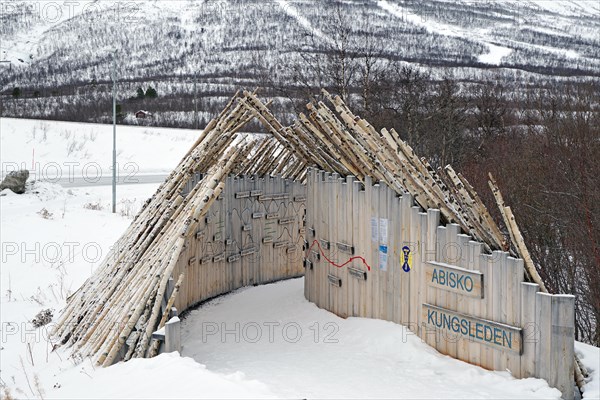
(107,180)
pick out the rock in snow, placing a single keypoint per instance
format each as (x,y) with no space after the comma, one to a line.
(15,181)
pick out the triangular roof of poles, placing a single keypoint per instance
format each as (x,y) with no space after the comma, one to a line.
(122,300)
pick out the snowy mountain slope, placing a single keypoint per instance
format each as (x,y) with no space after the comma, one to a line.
(231,38)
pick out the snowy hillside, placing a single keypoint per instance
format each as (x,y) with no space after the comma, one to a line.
(310,354)
(61,55)
(169,38)
(54,150)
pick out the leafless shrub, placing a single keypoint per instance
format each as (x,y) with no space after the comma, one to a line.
(93,206)
(44,213)
(42,318)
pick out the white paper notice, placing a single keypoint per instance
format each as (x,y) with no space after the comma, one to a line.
(383,258)
(383,230)
(374,230)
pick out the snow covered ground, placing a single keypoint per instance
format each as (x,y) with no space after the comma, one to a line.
(302,351)
(274,335)
(53,149)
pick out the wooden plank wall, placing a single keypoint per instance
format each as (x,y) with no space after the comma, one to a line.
(252,234)
(485,313)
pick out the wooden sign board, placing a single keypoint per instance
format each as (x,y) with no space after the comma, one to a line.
(348,248)
(358,273)
(248,251)
(334,280)
(233,258)
(206,260)
(454,279)
(495,334)
(315,256)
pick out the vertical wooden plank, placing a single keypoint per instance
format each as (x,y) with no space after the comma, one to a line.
(486,263)
(241,279)
(311,236)
(383,244)
(293,209)
(282,229)
(406,240)
(251,238)
(563,344)
(275,207)
(217,247)
(462,302)
(452,256)
(286,259)
(271,228)
(321,232)
(331,185)
(433,221)
(475,306)
(374,298)
(348,239)
(543,348)
(342,232)
(357,227)
(398,274)
(173,335)
(394,249)
(300,190)
(515,275)
(259,231)
(441,295)
(421,289)
(329,194)
(310,207)
(530,330)
(415,268)
(364,247)
(499,303)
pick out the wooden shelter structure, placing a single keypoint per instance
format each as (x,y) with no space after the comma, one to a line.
(244,209)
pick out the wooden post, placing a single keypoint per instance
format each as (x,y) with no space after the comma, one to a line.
(531,333)
(543,348)
(173,335)
(563,345)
